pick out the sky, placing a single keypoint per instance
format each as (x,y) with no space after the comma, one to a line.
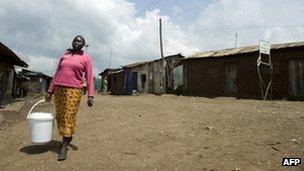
(120,32)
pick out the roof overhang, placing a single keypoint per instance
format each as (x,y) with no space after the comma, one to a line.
(9,56)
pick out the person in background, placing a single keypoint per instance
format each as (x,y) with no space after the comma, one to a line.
(66,87)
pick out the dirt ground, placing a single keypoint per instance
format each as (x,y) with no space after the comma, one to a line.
(168,132)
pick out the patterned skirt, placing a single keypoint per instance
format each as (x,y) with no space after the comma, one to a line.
(66,102)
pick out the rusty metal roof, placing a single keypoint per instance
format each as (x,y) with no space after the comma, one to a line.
(179,55)
(22,77)
(135,64)
(26,72)
(8,55)
(116,72)
(241,50)
(108,71)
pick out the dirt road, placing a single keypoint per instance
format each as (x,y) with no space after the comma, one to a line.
(167,132)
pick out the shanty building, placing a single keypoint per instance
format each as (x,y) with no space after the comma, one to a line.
(171,62)
(38,82)
(154,76)
(8,59)
(116,83)
(178,78)
(233,72)
(136,77)
(104,79)
(21,86)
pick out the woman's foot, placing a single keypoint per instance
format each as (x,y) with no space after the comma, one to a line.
(70,139)
(64,148)
(63,152)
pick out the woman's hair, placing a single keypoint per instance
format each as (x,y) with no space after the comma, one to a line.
(70,49)
(84,42)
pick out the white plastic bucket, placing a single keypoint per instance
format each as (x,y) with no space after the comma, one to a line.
(41,125)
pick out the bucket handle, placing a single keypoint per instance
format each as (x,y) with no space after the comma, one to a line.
(29,113)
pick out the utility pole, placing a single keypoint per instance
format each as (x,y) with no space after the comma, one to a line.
(161,40)
(111,52)
(162,70)
(235,41)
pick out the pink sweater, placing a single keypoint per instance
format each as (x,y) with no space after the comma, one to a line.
(70,71)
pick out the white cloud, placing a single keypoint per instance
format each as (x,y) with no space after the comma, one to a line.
(41,31)
(42,64)
(276,21)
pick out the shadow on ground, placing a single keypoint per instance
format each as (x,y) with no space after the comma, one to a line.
(52,146)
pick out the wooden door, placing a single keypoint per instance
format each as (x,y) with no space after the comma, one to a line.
(230,79)
(296,77)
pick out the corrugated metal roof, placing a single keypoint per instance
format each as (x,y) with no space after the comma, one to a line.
(26,72)
(241,50)
(135,64)
(179,55)
(9,56)
(109,70)
(116,72)
(22,77)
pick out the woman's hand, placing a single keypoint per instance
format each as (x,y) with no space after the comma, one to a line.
(90,101)
(48,97)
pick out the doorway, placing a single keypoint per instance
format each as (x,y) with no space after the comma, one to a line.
(135,86)
(230,79)
(296,77)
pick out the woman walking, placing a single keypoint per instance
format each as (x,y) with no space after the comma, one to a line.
(67,89)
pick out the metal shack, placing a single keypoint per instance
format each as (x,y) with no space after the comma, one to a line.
(8,59)
(136,77)
(154,76)
(38,82)
(233,72)
(21,86)
(116,83)
(104,79)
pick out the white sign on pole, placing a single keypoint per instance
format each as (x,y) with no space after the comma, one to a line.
(265,47)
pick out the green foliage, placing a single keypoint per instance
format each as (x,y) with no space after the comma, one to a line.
(97,84)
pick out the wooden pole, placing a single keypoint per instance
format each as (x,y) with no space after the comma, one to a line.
(162,71)
(110,58)
(161,40)
(235,40)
